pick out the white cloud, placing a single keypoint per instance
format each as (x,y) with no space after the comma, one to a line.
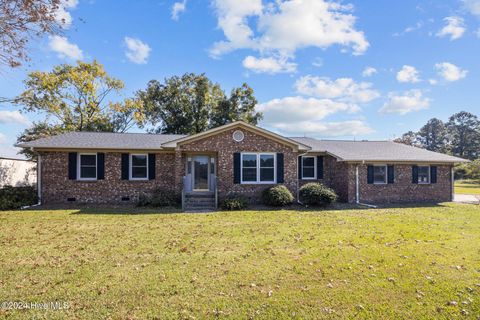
(269,65)
(299,115)
(409,101)
(9,117)
(325,129)
(369,71)
(62,16)
(454,28)
(450,72)
(343,89)
(317,62)
(473,6)
(477,33)
(294,109)
(137,51)
(408,74)
(3,138)
(282,27)
(65,49)
(178,8)
(433,81)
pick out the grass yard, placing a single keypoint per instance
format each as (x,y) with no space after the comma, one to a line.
(467,187)
(396,263)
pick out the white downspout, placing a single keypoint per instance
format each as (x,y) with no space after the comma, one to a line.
(39,184)
(452,173)
(39,179)
(357,189)
(298,178)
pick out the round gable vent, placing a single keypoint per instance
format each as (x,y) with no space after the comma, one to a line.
(238,136)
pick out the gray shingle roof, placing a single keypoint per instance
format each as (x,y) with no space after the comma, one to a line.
(376,151)
(103,140)
(387,151)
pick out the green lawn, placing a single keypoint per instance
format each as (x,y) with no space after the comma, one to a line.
(467,187)
(396,263)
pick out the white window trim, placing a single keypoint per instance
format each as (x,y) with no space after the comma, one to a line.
(314,168)
(429,175)
(130,166)
(257,154)
(386,174)
(79,166)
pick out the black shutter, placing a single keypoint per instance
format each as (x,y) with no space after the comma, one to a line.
(391,174)
(320,167)
(433,174)
(151,166)
(125,165)
(236,168)
(300,167)
(72,165)
(414,174)
(280,165)
(370,174)
(100,166)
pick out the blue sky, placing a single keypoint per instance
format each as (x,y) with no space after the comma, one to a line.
(350,69)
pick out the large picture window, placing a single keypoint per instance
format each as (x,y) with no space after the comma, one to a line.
(258,168)
(87,166)
(308,167)
(138,167)
(380,174)
(424,174)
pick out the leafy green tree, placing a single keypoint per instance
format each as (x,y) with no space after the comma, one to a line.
(74,98)
(38,130)
(464,134)
(433,135)
(239,106)
(410,138)
(192,103)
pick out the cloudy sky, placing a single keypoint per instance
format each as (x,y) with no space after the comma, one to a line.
(349,69)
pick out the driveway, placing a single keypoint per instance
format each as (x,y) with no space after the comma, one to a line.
(466,198)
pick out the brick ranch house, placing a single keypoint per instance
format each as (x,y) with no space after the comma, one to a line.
(237,158)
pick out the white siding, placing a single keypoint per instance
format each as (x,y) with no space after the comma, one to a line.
(17,172)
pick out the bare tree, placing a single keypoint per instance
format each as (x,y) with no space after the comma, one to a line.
(22,20)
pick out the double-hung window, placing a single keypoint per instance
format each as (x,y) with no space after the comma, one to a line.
(258,168)
(87,166)
(138,167)
(380,174)
(424,174)
(308,167)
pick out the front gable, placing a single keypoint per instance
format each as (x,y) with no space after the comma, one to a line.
(229,134)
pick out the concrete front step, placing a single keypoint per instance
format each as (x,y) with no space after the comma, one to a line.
(204,201)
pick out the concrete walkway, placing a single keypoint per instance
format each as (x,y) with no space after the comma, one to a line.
(467,198)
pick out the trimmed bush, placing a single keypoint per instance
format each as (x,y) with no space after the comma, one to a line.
(317,194)
(12,198)
(160,198)
(234,202)
(277,196)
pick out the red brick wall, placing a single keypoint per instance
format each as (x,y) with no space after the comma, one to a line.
(403,190)
(170,168)
(223,146)
(56,187)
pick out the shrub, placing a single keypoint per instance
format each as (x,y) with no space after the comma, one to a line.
(277,196)
(159,198)
(317,194)
(16,197)
(234,202)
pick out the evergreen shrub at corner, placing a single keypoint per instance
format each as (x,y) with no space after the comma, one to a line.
(317,194)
